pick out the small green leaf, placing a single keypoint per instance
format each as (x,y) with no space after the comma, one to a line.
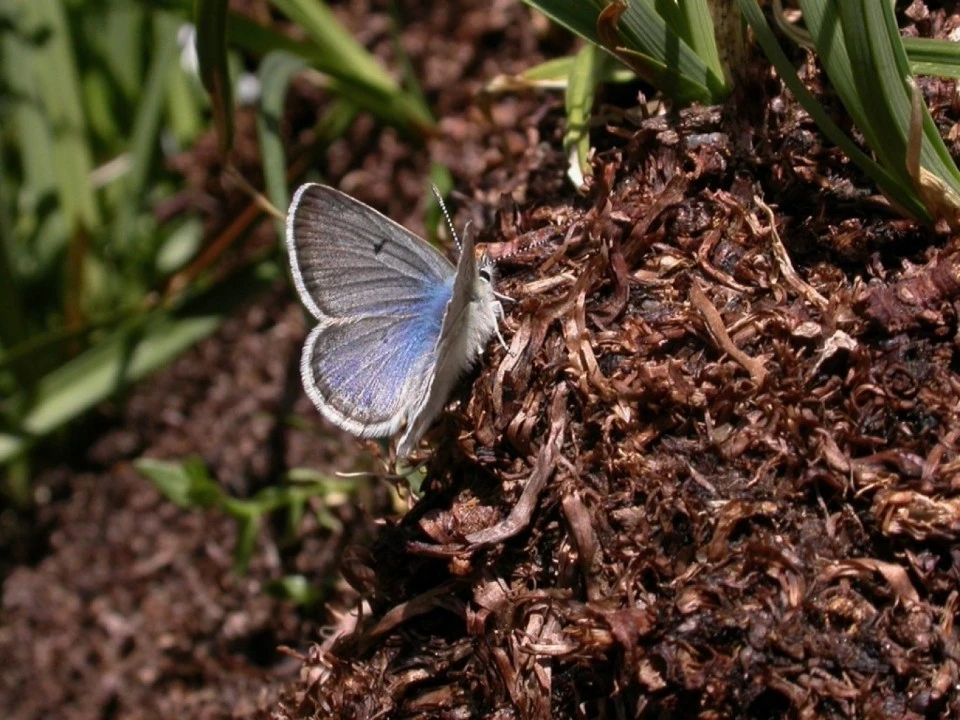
(187,484)
(248,528)
(294,588)
(179,247)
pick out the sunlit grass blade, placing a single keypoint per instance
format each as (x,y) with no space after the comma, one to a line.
(371,90)
(361,75)
(553,75)
(146,127)
(581,88)
(120,31)
(276,71)
(57,82)
(210,17)
(700,35)
(326,32)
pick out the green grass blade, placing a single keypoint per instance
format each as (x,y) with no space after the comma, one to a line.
(579,17)
(31,126)
(146,128)
(210,17)
(648,33)
(186,484)
(57,83)
(927,56)
(649,42)
(700,35)
(326,32)
(370,89)
(840,36)
(129,354)
(882,25)
(578,99)
(276,71)
(183,106)
(553,75)
(860,47)
(682,89)
(890,185)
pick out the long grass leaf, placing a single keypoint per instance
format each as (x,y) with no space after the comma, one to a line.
(183,107)
(323,28)
(580,18)
(701,36)
(645,31)
(129,354)
(146,127)
(57,82)
(928,56)
(843,43)
(371,90)
(210,17)
(581,88)
(276,71)
(119,30)
(887,182)
(888,46)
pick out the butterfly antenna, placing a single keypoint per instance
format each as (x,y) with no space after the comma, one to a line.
(443,207)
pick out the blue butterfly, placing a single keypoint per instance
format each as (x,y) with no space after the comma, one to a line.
(397,323)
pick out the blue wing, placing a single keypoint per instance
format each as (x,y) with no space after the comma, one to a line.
(380,294)
(364,374)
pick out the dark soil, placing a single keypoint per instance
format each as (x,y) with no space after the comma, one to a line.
(716,475)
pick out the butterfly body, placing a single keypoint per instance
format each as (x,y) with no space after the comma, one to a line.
(397,323)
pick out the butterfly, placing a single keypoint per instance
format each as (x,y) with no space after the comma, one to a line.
(397,323)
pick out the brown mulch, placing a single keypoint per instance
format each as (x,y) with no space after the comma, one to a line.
(715,474)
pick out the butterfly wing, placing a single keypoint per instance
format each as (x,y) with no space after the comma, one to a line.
(379,293)
(348,260)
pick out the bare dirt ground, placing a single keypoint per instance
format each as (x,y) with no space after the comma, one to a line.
(716,474)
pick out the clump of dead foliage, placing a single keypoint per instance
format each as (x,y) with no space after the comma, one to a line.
(714,475)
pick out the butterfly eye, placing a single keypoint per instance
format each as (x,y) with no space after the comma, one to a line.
(485,274)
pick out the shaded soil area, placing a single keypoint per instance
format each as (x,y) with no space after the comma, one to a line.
(714,474)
